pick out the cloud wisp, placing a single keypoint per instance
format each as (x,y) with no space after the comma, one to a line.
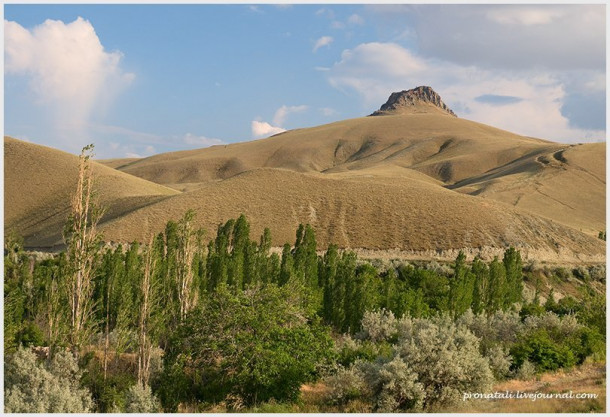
(323,41)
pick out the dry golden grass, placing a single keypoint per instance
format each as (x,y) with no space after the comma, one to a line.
(425,182)
(589,378)
(560,182)
(116,162)
(359,213)
(566,184)
(38,183)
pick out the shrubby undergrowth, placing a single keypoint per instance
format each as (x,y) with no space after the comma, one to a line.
(239,326)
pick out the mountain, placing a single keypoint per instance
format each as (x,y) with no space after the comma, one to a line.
(411,178)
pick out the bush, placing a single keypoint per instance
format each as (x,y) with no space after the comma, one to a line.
(446,358)
(49,387)
(139,399)
(378,326)
(350,350)
(346,385)
(546,354)
(394,386)
(245,348)
(499,361)
(526,371)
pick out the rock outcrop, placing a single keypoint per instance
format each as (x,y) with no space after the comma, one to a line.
(419,99)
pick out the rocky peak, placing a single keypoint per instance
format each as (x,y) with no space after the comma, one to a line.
(416,100)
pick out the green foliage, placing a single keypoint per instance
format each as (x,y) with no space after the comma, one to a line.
(50,387)
(545,353)
(108,393)
(248,347)
(139,399)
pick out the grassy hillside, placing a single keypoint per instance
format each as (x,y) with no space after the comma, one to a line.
(39,182)
(415,181)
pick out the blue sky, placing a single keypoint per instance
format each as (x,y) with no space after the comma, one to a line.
(143,79)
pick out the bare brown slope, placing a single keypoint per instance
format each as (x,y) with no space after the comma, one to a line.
(38,183)
(567,184)
(360,214)
(437,144)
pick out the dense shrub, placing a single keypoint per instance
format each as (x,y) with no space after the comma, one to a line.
(345,385)
(246,348)
(139,399)
(378,326)
(526,371)
(50,387)
(446,358)
(499,361)
(433,361)
(394,386)
(545,353)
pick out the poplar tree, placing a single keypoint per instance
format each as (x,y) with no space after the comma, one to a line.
(514,276)
(82,240)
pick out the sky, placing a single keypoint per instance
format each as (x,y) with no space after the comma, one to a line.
(137,80)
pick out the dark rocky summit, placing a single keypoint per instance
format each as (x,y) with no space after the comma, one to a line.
(414,100)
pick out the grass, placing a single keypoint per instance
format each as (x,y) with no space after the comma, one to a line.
(587,378)
(396,184)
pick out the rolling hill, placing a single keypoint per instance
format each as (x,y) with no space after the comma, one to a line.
(39,182)
(412,177)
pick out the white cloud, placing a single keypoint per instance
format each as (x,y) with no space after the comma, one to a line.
(374,70)
(280,115)
(525,15)
(355,19)
(264,129)
(323,41)
(327,111)
(69,71)
(202,141)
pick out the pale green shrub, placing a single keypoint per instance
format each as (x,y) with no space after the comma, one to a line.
(446,358)
(526,371)
(49,387)
(394,386)
(378,326)
(346,385)
(139,399)
(499,361)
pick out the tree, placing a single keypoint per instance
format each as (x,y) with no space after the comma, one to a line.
(480,292)
(461,287)
(497,286)
(147,302)
(185,251)
(287,265)
(82,241)
(244,348)
(514,276)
